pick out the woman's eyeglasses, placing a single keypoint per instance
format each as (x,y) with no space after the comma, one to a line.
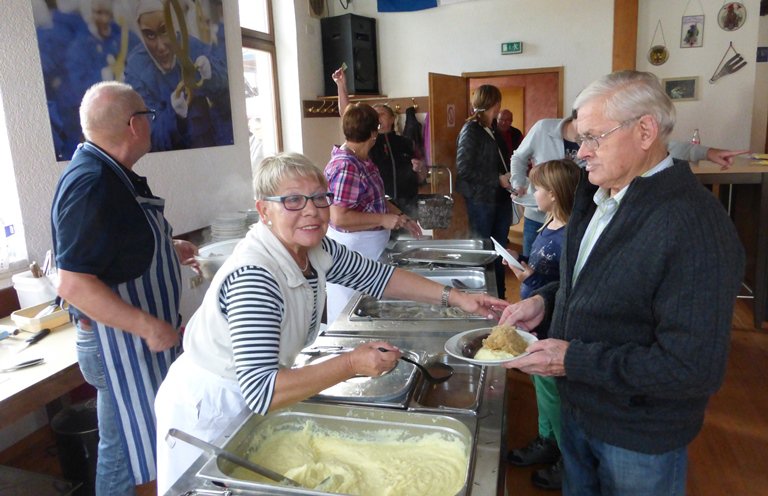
(298,202)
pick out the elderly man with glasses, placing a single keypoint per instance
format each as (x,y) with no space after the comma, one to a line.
(119,270)
(639,322)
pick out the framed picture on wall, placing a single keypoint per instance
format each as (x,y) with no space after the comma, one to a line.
(692,31)
(681,89)
(186,83)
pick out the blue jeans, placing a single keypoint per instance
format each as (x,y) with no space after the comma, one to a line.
(593,467)
(530,231)
(492,219)
(113,472)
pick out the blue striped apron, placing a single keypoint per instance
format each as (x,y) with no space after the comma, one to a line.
(134,373)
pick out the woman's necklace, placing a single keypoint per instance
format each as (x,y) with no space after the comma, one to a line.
(306,265)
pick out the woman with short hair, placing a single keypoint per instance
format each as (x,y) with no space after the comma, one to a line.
(264,306)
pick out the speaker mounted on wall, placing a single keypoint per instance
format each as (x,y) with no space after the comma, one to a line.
(350,39)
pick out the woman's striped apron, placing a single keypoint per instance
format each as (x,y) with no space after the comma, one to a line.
(134,373)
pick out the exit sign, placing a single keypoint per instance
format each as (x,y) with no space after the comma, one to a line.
(511,47)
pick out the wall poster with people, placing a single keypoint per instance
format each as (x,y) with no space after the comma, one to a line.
(171,51)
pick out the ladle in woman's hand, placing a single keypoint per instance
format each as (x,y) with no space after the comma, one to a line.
(437,372)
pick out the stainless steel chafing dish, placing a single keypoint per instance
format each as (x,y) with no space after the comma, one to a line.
(349,420)
(402,387)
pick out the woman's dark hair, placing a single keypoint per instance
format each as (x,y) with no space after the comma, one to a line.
(359,122)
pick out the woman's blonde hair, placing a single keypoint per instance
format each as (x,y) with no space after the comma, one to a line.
(560,177)
(484,97)
(272,171)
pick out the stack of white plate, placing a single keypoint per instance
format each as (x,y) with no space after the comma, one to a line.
(229,226)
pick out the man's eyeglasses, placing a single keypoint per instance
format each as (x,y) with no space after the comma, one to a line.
(593,142)
(150,113)
(298,202)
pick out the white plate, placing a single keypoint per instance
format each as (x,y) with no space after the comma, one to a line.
(506,256)
(455,345)
(525,200)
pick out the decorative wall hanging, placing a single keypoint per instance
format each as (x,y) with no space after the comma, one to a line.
(692,27)
(732,16)
(681,89)
(726,67)
(692,31)
(658,54)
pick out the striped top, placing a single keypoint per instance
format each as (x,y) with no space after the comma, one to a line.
(251,302)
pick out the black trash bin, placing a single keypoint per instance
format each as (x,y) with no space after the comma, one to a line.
(77,439)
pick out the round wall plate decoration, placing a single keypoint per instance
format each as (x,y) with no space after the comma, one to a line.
(732,16)
(658,54)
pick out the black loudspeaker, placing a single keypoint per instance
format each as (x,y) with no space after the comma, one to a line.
(350,39)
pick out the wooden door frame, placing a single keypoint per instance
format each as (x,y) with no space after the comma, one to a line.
(521,72)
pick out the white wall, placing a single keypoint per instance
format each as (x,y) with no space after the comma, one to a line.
(724,111)
(197,184)
(464,37)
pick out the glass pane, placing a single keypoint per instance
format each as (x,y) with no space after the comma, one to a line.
(260,106)
(253,15)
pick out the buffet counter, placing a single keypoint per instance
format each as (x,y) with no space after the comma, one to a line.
(425,338)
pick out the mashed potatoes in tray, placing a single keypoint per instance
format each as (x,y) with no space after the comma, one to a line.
(386,462)
(504,342)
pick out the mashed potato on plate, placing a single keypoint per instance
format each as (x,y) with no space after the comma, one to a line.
(504,342)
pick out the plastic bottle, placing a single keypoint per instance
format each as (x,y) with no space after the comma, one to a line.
(695,138)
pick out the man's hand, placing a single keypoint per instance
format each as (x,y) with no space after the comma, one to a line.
(527,314)
(723,158)
(547,357)
(161,336)
(186,252)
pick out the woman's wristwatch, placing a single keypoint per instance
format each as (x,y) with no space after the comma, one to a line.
(445,295)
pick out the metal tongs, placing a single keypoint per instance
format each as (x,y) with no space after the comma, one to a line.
(730,66)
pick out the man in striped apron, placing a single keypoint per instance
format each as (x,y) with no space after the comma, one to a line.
(119,270)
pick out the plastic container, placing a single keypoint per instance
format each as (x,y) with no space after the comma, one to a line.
(213,256)
(33,290)
(27,320)
(77,440)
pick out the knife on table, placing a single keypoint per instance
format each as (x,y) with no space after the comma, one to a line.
(35,338)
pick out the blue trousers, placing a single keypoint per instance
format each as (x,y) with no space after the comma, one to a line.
(113,472)
(595,468)
(488,219)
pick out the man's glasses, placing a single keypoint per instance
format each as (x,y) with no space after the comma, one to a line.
(298,202)
(593,142)
(150,113)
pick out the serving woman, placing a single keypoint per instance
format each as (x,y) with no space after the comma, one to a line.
(361,216)
(264,305)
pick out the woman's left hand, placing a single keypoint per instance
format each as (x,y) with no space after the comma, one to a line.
(478,303)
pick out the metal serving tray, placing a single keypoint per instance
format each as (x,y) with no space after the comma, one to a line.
(346,420)
(446,256)
(463,244)
(462,393)
(367,308)
(465,279)
(391,390)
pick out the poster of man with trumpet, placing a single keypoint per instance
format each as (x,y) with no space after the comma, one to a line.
(171,51)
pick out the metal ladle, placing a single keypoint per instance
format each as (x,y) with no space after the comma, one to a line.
(442,372)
